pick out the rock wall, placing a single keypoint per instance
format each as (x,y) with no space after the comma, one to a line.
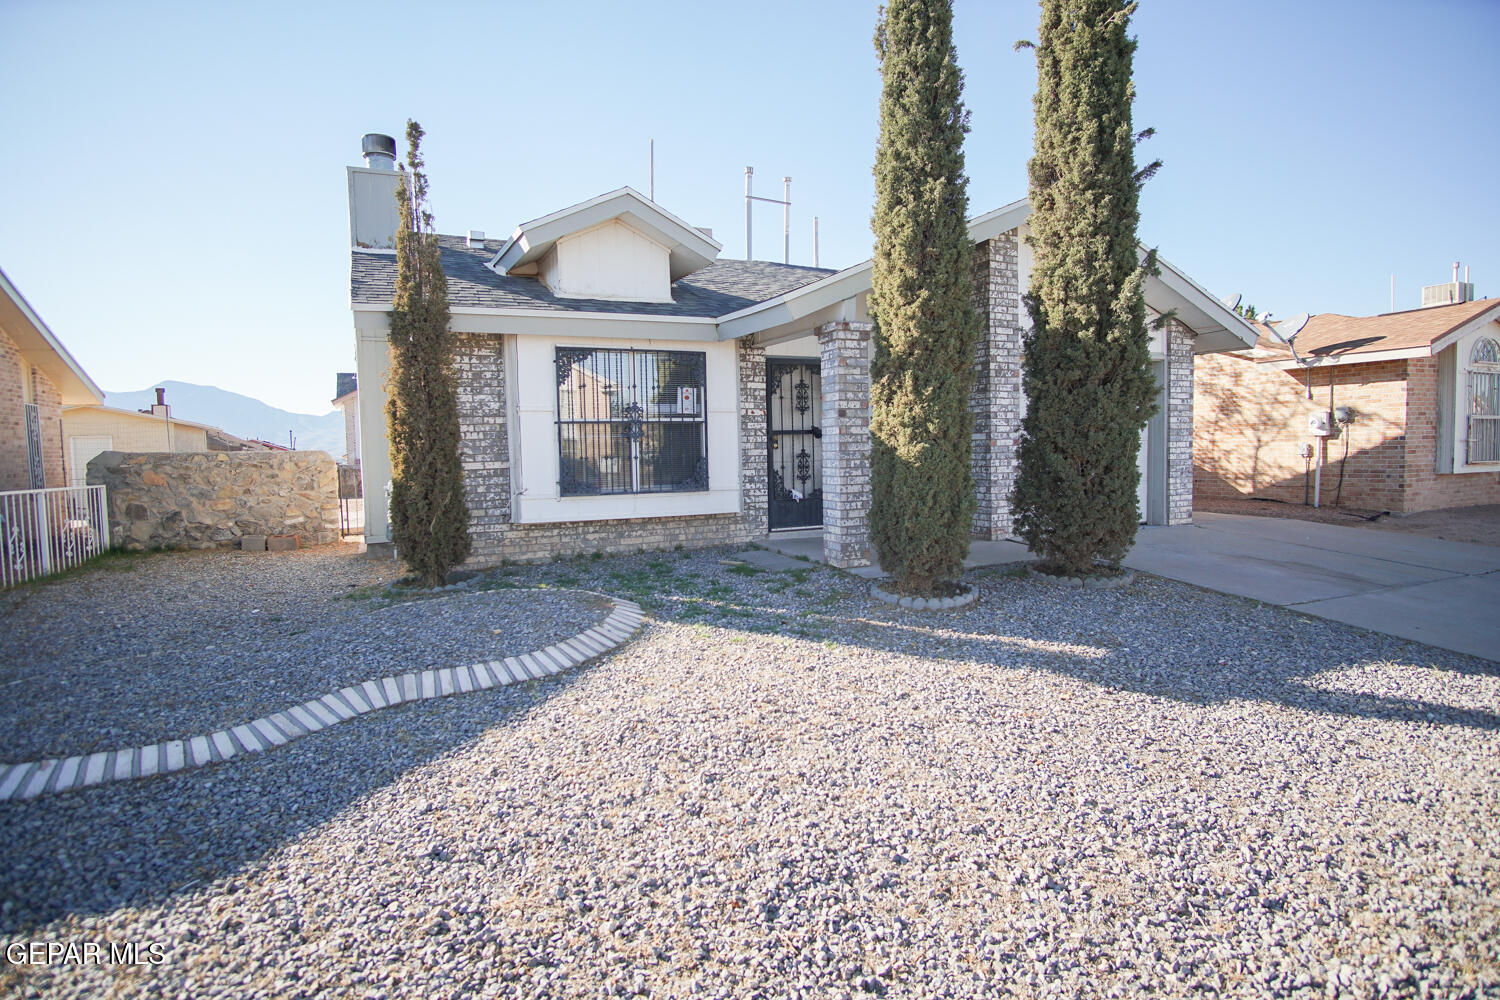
(208,500)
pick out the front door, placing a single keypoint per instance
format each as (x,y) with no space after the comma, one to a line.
(794,400)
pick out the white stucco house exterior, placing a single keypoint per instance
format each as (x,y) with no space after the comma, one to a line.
(623,387)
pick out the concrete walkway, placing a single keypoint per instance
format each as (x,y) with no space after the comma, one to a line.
(1444,594)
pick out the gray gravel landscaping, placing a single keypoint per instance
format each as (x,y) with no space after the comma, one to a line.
(172,646)
(783,787)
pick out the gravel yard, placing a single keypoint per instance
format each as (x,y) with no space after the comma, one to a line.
(785,788)
(172,646)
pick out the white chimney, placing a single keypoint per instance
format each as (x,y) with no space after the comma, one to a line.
(476,238)
(372,195)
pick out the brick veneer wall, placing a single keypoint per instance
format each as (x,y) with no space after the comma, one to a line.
(15,470)
(49,408)
(1426,489)
(484,440)
(996,397)
(14,474)
(845,373)
(1180,361)
(1253,419)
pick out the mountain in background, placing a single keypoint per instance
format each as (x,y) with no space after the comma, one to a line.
(240,415)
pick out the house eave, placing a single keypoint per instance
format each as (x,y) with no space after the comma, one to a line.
(798,303)
(1458,333)
(563,323)
(1215,326)
(41,348)
(116,411)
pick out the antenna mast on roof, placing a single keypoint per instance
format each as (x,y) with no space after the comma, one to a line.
(786,215)
(653,169)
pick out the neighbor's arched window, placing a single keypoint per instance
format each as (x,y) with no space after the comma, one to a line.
(1484,401)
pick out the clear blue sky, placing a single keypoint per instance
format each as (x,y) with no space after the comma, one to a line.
(174,173)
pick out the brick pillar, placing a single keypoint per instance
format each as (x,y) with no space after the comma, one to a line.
(479,367)
(1179,424)
(845,357)
(754,467)
(996,397)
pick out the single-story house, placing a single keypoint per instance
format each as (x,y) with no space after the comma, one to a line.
(346,401)
(623,387)
(38,377)
(93,430)
(1418,391)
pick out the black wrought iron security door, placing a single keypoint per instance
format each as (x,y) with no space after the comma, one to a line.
(794,401)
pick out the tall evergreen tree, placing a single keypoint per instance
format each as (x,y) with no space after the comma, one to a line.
(1086,367)
(429,519)
(926,327)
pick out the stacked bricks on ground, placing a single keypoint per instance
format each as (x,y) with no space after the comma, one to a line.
(21,384)
(845,373)
(209,500)
(485,445)
(1252,423)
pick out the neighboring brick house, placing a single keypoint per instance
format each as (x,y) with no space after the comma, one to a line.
(38,377)
(621,387)
(1422,391)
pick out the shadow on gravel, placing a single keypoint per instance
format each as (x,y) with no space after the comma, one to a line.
(137,843)
(1157,637)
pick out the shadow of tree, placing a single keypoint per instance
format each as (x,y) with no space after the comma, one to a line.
(1184,658)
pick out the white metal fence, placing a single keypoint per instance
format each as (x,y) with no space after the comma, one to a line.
(44,531)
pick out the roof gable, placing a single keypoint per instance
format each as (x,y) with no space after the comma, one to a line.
(688,248)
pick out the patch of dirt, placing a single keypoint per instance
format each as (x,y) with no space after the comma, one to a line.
(1478,525)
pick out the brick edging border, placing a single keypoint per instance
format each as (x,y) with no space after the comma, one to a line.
(34,778)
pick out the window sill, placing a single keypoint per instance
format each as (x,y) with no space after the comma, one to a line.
(621,506)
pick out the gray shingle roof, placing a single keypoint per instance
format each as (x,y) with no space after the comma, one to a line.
(722,287)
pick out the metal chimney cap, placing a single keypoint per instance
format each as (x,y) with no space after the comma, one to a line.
(379,151)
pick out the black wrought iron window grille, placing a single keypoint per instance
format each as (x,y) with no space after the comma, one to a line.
(631,421)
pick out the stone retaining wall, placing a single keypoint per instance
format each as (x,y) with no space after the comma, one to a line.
(205,500)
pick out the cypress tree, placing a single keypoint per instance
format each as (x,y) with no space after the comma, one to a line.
(429,518)
(1086,367)
(925,326)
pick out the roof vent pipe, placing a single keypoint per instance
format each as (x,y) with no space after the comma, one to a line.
(1455,271)
(379,150)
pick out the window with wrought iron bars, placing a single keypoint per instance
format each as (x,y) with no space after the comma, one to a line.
(1484,401)
(631,421)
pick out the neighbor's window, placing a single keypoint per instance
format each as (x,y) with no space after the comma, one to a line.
(630,421)
(1484,401)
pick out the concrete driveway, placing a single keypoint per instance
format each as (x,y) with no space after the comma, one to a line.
(1442,593)
(1446,594)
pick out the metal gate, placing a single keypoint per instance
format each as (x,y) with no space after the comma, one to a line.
(34,447)
(794,399)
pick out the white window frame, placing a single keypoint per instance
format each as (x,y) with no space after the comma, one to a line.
(1482,403)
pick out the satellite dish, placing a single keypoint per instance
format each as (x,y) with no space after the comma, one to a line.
(1286,329)
(1231,302)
